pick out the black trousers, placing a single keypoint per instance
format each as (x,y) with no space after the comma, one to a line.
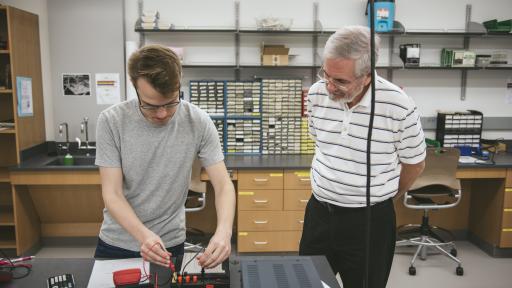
(339,234)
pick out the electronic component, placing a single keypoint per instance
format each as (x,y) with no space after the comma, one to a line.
(61,281)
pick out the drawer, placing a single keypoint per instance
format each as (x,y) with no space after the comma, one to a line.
(507,218)
(260,179)
(269,241)
(508,198)
(508,181)
(297,179)
(270,220)
(296,199)
(260,200)
(506,238)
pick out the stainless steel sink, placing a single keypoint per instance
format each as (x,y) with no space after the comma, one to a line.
(77,161)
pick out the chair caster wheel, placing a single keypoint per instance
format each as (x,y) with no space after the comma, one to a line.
(412,270)
(459,271)
(453,252)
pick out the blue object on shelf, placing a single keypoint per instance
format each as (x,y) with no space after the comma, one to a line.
(384,15)
(464,150)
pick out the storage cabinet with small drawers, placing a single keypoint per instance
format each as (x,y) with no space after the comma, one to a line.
(271,207)
(506,227)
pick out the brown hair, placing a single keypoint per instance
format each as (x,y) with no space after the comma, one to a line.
(159,65)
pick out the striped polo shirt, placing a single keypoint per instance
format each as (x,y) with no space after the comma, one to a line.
(338,170)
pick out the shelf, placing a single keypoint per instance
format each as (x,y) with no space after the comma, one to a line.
(6,216)
(442,68)
(231,66)
(8,244)
(326,33)
(5,91)
(185,30)
(242,117)
(4,175)
(4,51)
(255,31)
(257,66)
(8,131)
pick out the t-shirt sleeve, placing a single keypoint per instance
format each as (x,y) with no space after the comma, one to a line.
(411,145)
(108,152)
(210,151)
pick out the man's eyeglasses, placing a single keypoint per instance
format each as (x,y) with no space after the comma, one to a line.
(154,108)
(339,84)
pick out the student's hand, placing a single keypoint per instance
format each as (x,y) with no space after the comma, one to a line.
(153,250)
(217,251)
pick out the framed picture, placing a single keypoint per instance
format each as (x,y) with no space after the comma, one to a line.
(76,84)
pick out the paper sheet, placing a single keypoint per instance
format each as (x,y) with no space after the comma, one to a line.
(467,159)
(193,267)
(101,276)
(107,88)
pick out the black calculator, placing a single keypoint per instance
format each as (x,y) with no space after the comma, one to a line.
(61,281)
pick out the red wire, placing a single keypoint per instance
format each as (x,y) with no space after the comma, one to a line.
(148,276)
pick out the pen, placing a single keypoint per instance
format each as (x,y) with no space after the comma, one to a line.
(21,259)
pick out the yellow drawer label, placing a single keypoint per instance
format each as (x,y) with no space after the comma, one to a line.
(507,230)
(243,233)
(245,193)
(507,210)
(303,174)
(276,174)
(508,189)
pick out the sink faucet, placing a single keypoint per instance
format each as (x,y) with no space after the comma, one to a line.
(61,129)
(84,128)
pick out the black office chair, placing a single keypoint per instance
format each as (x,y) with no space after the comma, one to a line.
(436,188)
(196,201)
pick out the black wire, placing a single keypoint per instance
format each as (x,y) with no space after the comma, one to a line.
(186,264)
(369,145)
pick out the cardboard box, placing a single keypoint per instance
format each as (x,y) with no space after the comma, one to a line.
(274,55)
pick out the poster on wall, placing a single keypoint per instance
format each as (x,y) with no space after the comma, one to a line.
(76,84)
(107,88)
(24,93)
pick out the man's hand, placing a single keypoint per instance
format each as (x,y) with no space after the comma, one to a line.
(153,250)
(217,251)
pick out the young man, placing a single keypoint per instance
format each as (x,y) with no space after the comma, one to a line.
(145,151)
(339,113)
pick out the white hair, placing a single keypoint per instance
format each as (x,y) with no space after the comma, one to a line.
(352,42)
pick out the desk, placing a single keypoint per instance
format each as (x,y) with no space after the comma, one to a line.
(81,269)
(67,203)
(483,216)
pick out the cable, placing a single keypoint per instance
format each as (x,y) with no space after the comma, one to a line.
(12,267)
(369,145)
(188,262)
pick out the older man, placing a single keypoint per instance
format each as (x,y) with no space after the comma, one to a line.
(339,113)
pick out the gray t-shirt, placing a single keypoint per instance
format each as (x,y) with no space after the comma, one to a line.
(156,162)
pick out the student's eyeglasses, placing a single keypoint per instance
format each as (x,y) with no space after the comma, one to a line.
(155,108)
(339,84)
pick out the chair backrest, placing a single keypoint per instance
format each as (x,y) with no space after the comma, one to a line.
(440,168)
(198,198)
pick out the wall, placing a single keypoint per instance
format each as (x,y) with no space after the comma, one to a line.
(85,37)
(39,7)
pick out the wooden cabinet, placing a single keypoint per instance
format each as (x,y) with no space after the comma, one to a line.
(506,227)
(19,57)
(271,207)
